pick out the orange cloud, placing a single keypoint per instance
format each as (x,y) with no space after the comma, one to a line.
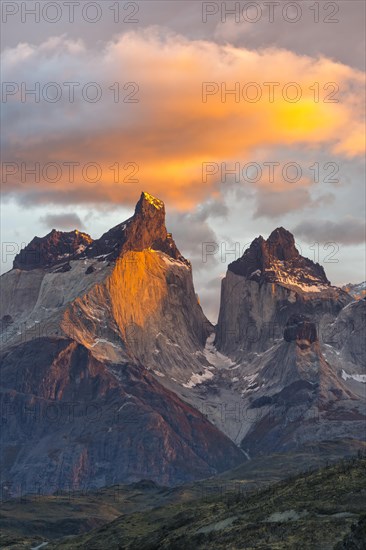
(170,132)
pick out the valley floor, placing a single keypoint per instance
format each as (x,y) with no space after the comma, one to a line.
(323,508)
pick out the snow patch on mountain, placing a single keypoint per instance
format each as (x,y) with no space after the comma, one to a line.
(251,384)
(198,378)
(357,291)
(216,360)
(158,373)
(295,277)
(171,261)
(214,357)
(103,341)
(357,377)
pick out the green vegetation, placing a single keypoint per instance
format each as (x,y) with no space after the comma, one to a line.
(251,506)
(309,511)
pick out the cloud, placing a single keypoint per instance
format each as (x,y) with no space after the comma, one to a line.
(273,204)
(343,40)
(209,296)
(162,140)
(62,221)
(212,208)
(337,34)
(348,231)
(191,233)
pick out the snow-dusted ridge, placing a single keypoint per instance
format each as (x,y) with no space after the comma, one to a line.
(216,360)
(214,357)
(295,277)
(357,377)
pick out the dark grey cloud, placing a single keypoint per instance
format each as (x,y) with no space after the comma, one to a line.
(347,231)
(211,209)
(274,205)
(190,232)
(62,221)
(336,30)
(338,33)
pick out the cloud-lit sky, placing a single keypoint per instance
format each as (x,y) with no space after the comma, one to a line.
(176,145)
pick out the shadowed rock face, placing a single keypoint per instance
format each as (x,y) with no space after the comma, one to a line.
(299,396)
(265,287)
(54,248)
(299,327)
(70,420)
(347,335)
(277,258)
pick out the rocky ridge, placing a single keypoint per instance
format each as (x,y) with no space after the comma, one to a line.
(117,322)
(99,331)
(268,284)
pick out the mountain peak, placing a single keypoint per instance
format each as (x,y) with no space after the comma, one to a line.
(277,260)
(144,230)
(146,197)
(281,244)
(53,248)
(149,210)
(281,231)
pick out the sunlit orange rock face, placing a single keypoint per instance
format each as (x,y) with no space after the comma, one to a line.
(138,290)
(145,306)
(155,307)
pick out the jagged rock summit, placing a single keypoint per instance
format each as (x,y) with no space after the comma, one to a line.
(53,249)
(134,274)
(145,229)
(263,288)
(293,354)
(277,260)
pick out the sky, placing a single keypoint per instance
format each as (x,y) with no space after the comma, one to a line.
(241,116)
